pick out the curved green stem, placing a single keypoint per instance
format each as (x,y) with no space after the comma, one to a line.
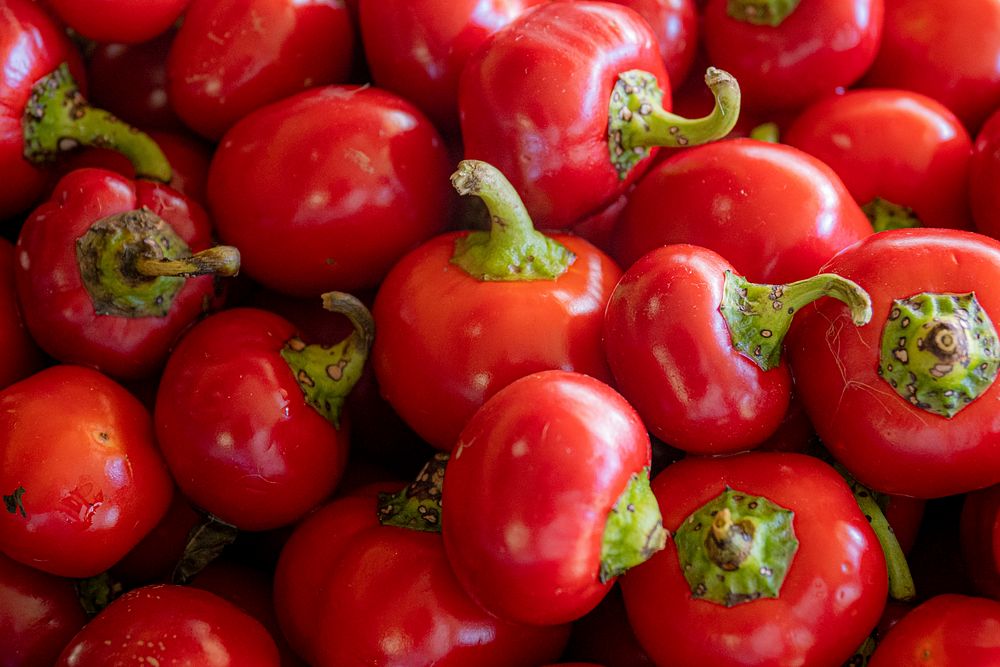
(327,374)
(221,260)
(759,315)
(761,12)
(57,119)
(512,249)
(638,121)
(634,530)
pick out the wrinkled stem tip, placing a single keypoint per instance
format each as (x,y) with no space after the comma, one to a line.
(468,178)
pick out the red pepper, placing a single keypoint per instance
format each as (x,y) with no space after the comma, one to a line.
(110,271)
(122,21)
(568,101)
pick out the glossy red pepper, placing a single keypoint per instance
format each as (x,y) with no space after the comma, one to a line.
(980,539)
(903,156)
(570,100)
(906,403)
(328,188)
(100,271)
(789,54)
(946,50)
(774,212)
(19,355)
(675,23)
(417,48)
(119,20)
(231,57)
(984,174)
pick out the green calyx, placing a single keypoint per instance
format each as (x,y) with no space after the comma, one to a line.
(885,215)
(736,548)
(206,541)
(767,132)
(759,315)
(327,373)
(133,264)
(58,119)
(418,505)
(97,592)
(14,502)
(634,530)
(512,249)
(761,12)
(939,351)
(637,120)
(901,585)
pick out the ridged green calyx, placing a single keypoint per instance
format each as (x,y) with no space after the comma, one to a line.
(939,351)
(327,373)
(634,530)
(759,315)
(884,215)
(58,119)
(637,120)
(418,505)
(133,264)
(512,249)
(761,12)
(736,548)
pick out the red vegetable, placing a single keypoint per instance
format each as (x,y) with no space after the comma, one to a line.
(546,498)
(771,563)
(231,57)
(566,102)
(984,173)
(81,478)
(119,20)
(906,402)
(696,348)
(675,23)
(980,539)
(903,156)
(110,271)
(19,356)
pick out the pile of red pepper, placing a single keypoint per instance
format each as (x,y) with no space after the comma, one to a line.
(499,332)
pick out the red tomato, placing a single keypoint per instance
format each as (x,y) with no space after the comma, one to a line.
(538,473)
(833,591)
(899,146)
(946,630)
(776,213)
(81,476)
(948,51)
(39,614)
(328,188)
(417,48)
(821,46)
(19,356)
(167,625)
(984,174)
(980,539)
(59,308)
(119,20)
(885,430)
(231,57)
(235,427)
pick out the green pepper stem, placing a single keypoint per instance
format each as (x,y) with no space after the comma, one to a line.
(418,505)
(885,215)
(768,132)
(761,12)
(218,260)
(637,119)
(206,542)
(759,315)
(512,249)
(57,118)
(634,529)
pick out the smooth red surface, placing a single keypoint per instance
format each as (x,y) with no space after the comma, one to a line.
(533,101)
(947,630)
(328,188)
(899,145)
(235,428)
(31,46)
(672,356)
(675,23)
(231,57)
(39,614)
(19,355)
(417,48)
(167,625)
(82,448)
(392,598)
(119,20)
(980,539)
(59,311)
(821,46)
(528,491)
(446,342)
(946,50)
(833,593)
(984,174)
(886,443)
(776,213)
